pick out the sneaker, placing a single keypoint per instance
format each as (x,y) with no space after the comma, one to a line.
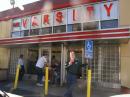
(38,84)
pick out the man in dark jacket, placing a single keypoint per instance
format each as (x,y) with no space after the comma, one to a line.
(72,67)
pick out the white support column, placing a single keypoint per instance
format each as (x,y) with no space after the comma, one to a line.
(63,61)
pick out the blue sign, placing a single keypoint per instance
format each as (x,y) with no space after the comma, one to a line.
(89,49)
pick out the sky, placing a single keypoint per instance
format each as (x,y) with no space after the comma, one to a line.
(6,3)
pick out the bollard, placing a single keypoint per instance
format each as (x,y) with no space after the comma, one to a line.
(16,77)
(89,83)
(46,81)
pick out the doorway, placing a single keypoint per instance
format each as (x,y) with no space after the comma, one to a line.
(47,51)
(31,60)
(78,48)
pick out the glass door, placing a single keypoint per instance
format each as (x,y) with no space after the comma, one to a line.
(46,50)
(77,47)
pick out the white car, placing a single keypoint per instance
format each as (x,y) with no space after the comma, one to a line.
(4,94)
(123,95)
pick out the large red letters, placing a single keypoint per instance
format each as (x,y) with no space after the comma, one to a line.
(74,15)
(90,10)
(59,17)
(24,22)
(108,9)
(17,24)
(46,19)
(34,21)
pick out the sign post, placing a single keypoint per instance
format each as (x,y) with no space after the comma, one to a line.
(89,49)
(89,56)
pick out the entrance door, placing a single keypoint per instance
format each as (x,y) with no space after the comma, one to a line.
(31,60)
(77,47)
(46,50)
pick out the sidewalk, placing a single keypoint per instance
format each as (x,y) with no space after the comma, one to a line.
(27,88)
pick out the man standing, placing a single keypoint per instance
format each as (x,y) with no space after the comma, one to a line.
(39,69)
(22,70)
(72,67)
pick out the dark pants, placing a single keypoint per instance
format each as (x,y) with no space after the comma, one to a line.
(21,73)
(56,77)
(71,82)
(39,75)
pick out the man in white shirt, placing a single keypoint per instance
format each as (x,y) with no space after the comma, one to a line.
(22,70)
(39,69)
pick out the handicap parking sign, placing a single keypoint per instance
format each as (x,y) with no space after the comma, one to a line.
(89,49)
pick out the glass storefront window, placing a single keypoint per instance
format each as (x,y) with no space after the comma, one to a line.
(59,29)
(35,31)
(47,30)
(16,34)
(109,24)
(74,27)
(94,25)
(91,25)
(25,33)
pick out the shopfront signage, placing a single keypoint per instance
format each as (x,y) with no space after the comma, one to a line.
(16,25)
(109,10)
(78,14)
(47,19)
(36,21)
(74,15)
(60,17)
(91,12)
(25,25)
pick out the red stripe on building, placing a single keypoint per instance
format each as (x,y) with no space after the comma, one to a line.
(94,37)
(68,34)
(101,34)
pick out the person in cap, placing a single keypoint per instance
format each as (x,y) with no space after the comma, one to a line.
(42,61)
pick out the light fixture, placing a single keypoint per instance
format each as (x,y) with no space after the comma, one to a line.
(12,2)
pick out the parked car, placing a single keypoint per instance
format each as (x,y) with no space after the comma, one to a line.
(123,95)
(5,94)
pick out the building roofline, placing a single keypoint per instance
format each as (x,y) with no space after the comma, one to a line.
(18,13)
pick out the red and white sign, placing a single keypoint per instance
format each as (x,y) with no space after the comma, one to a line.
(109,10)
(74,15)
(25,23)
(16,25)
(36,21)
(60,17)
(47,19)
(91,13)
(84,13)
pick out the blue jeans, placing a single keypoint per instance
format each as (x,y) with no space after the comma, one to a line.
(21,73)
(39,75)
(71,81)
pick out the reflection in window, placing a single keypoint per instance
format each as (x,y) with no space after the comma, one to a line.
(47,30)
(91,25)
(109,24)
(59,29)
(74,27)
(25,33)
(15,34)
(35,31)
